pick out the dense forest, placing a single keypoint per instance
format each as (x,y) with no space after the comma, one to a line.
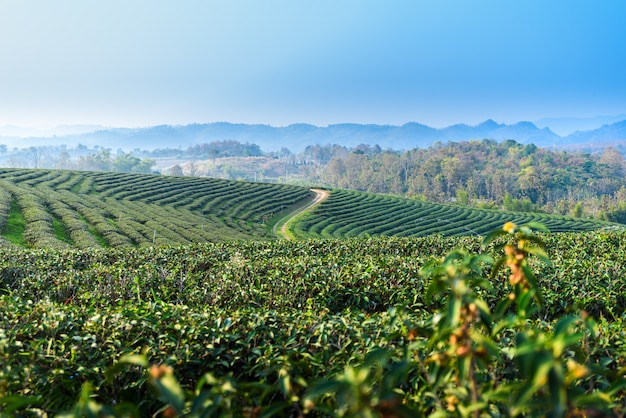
(482,173)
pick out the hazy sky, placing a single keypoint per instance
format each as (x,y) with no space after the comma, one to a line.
(140,63)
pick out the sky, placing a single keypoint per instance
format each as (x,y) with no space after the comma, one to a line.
(278,62)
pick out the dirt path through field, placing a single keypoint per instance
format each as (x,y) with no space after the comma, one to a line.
(320,196)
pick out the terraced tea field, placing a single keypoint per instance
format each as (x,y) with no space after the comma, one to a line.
(84,209)
(354,214)
(56,209)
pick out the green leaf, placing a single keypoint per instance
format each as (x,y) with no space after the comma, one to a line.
(275,409)
(13,403)
(325,387)
(473,407)
(464,365)
(502,307)
(540,254)
(134,359)
(123,363)
(564,325)
(537,226)
(533,282)
(376,356)
(541,367)
(170,392)
(523,299)
(616,386)
(126,409)
(557,390)
(455,304)
(493,235)
(284,381)
(598,400)
(493,349)
(484,312)
(497,266)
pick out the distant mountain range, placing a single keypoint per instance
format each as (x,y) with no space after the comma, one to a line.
(298,136)
(566,126)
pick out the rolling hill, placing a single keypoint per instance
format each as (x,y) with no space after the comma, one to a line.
(52,209)
(356,214)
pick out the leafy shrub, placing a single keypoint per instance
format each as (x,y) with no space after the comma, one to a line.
(472,333)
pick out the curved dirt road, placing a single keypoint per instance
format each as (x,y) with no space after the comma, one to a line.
(320,196)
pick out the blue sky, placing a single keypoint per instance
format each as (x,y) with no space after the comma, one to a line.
(141,63)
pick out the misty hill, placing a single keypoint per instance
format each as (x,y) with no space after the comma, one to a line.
(605,134)
(568,125)
(296,137)
(596,140)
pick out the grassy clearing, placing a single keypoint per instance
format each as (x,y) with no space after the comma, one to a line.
(60,231)
(14,229)
(93,231)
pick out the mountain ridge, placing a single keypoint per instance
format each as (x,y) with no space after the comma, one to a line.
(296,137)
(565,126)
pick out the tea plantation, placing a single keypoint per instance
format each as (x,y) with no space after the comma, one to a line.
(355,214)
(61,209)
(220,319)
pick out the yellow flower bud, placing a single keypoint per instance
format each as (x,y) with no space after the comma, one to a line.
(509,227)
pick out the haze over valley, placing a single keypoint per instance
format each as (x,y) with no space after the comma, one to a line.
(298,136)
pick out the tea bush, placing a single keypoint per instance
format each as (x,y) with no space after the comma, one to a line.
(517,325)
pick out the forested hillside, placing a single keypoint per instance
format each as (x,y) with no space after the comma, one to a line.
(488,173)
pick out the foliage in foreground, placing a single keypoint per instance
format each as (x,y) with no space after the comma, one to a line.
(467,354)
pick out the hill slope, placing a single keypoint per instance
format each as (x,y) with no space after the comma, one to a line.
(356,214)
(40,208)
(87,209)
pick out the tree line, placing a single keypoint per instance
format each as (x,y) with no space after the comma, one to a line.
(207,150)
(80,157)
(485,173)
